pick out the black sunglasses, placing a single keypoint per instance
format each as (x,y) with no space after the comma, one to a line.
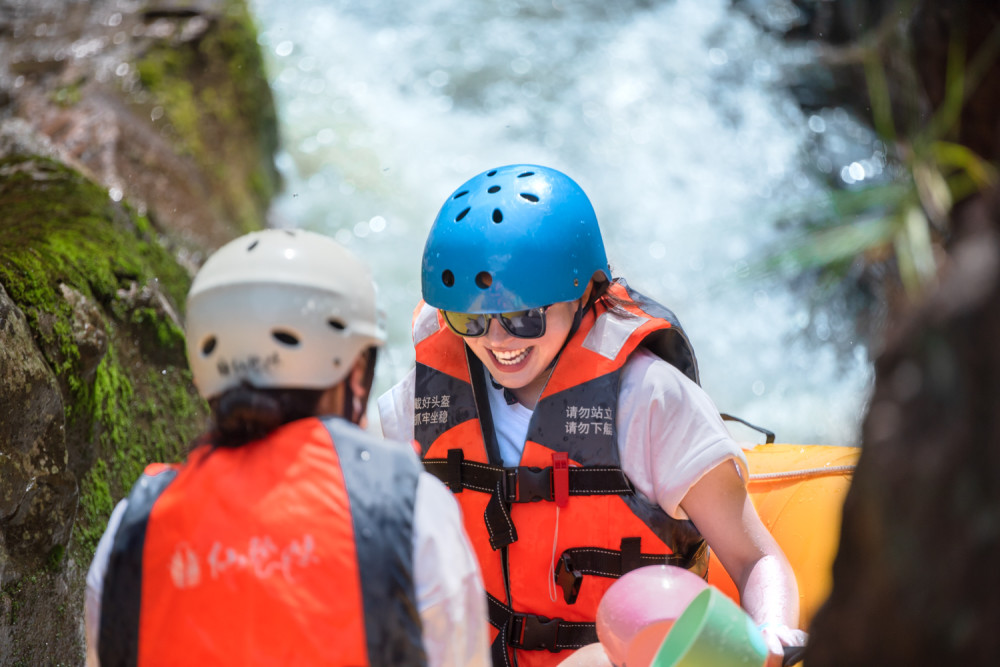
(519,323)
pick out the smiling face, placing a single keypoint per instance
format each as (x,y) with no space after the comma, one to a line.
(522,364)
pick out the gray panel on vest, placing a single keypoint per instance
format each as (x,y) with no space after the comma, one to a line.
(441,402)
(580,420)
(121,599)
(381,479)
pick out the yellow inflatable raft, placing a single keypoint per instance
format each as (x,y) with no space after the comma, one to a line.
(799,491)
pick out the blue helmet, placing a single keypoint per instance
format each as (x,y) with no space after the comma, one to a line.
(512,238)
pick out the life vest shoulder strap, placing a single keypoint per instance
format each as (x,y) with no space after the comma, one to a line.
(669,342)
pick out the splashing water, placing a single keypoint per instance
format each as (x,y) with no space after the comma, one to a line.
(672,118)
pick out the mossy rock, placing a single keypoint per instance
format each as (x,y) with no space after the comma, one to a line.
(99,299)
(217,108)
(112,190)
(170,110)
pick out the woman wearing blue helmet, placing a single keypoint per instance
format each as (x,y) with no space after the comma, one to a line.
(563,410)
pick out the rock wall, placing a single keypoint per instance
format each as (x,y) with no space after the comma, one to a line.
(135,137)
(914,581)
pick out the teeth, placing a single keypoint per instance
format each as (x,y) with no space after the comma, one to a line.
(511,357)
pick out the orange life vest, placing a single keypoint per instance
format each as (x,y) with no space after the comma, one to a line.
(295,549)
(600,528)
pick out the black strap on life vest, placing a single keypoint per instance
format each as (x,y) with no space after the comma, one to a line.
(531,632)
(521,484)
(524,484)
(575,562)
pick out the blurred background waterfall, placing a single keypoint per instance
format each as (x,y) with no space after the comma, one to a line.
(676,118)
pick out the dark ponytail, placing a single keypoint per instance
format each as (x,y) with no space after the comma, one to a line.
(611,301)
(244,413)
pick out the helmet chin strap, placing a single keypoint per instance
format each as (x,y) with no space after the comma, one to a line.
(577,319)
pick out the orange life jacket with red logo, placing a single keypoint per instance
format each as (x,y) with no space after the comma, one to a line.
(295,549)
(569,488)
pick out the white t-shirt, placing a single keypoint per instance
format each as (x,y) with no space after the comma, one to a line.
(446,575)
(669,431)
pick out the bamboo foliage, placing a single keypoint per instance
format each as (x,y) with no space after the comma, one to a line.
(903,223)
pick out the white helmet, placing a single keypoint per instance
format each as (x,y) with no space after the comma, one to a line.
(279,309)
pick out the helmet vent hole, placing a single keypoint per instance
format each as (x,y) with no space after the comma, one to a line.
(460,194)
(448,278)
(484,279)
(497,215)
(494,189)
(465,212)
(253,245)
(530,197)
(526,174)
(492,173)
(285,338)
(208,347)
(336,325)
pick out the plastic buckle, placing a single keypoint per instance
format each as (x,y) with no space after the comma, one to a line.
(560,478)
(533,484)
(568,579)
(535,632)
(508,485)
(455,458)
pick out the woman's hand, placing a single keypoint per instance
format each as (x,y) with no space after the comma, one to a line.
(777,637)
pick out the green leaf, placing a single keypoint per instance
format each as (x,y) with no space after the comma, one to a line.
(834,245)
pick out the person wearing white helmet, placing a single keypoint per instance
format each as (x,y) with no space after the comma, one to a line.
(290,535)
